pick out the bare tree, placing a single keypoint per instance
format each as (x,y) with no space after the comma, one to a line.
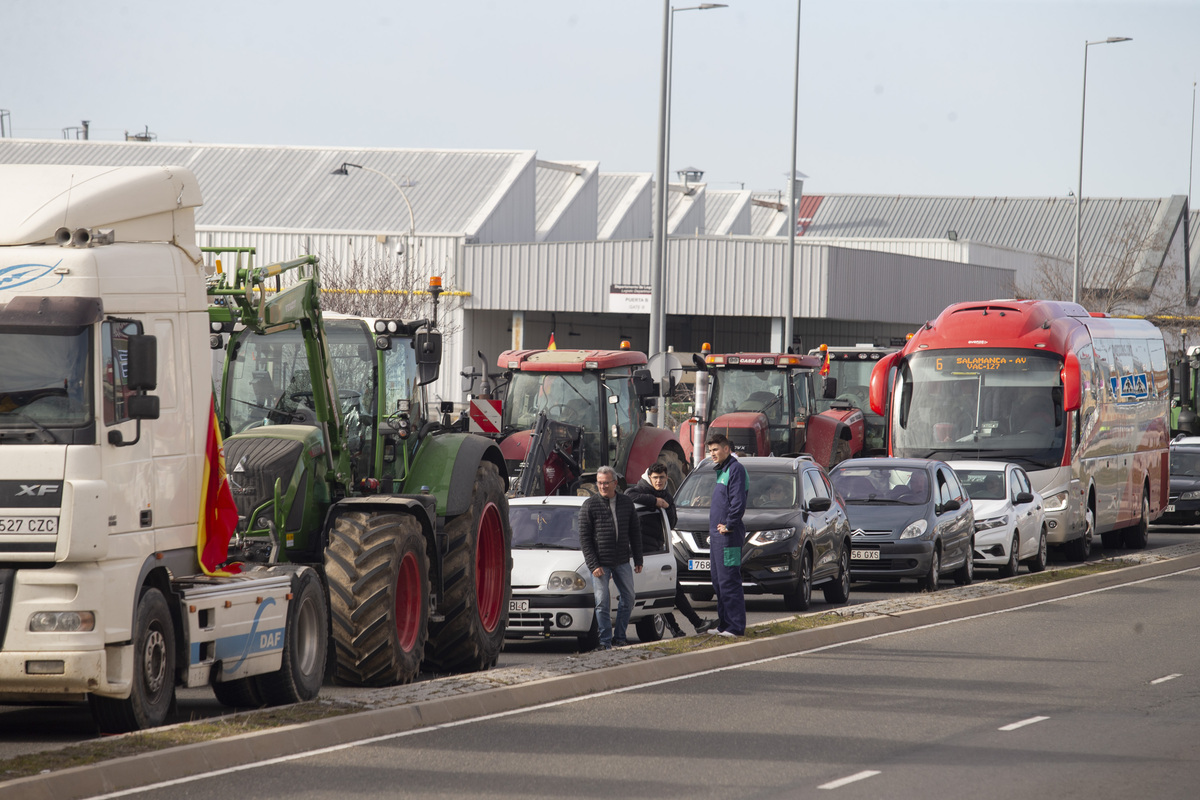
(1131,276)
(381,287)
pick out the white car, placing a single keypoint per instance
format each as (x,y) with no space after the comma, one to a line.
(552,586)
(1010,517)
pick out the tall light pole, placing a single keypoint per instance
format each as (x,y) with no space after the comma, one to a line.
(658,313)
(412,223)
(1079,194)
(789,276)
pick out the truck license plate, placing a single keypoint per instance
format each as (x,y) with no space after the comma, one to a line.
(28,524)
(864,555)
(699,564)
(518,605)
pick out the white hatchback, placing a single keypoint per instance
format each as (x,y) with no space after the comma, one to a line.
(1010,517)
(552,586)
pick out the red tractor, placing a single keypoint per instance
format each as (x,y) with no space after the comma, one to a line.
(565,413)
(766,403)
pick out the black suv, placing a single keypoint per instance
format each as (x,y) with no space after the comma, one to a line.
(797,532)
(1183,503)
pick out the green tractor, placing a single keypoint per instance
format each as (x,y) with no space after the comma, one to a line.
(334,463)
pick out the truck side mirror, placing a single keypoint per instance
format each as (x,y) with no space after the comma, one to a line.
(142,406)
(142,367)
(428,345)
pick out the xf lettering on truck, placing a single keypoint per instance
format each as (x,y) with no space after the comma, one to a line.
(37,489)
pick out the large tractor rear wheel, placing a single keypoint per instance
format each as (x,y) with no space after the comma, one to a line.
(378,575)
(477,572)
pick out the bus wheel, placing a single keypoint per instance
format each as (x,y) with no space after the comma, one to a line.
(1079,549)
(1137,536)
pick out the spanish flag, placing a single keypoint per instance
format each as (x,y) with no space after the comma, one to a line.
(825,366)
(551,346)
(218,513)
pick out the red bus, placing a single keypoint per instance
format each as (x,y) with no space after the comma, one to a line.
(1080,401)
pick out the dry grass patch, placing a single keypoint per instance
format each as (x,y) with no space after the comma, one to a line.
(1053,575)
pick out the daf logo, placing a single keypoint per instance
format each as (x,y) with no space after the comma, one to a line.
(37,489)
(858,534)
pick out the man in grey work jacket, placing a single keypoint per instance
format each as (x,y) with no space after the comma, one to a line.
(725,536)
(609,533)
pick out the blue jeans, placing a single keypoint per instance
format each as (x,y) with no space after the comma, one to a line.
(622,575)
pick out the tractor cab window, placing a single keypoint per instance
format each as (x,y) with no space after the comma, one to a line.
(620,399)
(755,390)
(802,395)
(573,398)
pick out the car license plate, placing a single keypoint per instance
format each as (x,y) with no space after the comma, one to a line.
(1169,509)
(518,605)
(28,524)
(699,564)
(864,555)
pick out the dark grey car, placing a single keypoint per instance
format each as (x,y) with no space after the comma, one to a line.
(910,517)
(797,532)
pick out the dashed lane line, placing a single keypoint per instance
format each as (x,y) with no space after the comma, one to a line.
(1023,723)
(858,776)
(1166,678)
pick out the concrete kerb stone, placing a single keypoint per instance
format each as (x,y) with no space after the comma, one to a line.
(205,757)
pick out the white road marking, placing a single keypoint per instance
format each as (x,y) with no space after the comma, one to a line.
(1023,723)
(858,776)
(1166,678)
(457,723)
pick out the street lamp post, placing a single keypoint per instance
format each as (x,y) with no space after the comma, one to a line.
(658,315)
(1079,194)
(789,277)
(412,223)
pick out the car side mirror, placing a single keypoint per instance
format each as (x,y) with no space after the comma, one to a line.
(1024,497)
(950,505)
(820,504)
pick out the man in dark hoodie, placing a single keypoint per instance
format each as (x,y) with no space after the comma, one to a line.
(609,533)
(652,491)
(726,533)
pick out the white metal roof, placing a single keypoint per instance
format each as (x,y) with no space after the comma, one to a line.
(291,188)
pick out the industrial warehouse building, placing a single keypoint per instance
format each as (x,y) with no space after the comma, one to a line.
(532,247)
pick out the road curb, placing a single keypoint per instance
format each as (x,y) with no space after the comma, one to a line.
(204,758)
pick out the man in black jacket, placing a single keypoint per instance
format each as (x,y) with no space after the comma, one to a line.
(651,491)
(609,533)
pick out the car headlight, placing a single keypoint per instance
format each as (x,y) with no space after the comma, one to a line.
(915,529)
(991,522)
(1193,495)
(774,535)
(566,582)
(1057,502)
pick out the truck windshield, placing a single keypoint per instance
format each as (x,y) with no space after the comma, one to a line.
(45,382)
(755,390)
(1003,405)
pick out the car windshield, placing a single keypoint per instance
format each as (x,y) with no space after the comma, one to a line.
(767,489)
(1185,463)
(882,484)
(982,484)
(545,527)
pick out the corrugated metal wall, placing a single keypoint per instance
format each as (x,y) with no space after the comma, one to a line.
(575,219)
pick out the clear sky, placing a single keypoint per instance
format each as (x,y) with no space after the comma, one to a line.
(959,97)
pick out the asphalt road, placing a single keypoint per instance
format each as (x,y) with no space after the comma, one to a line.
(1094,695)
(26,729)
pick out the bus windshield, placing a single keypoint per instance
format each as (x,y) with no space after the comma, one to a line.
(1003,405)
